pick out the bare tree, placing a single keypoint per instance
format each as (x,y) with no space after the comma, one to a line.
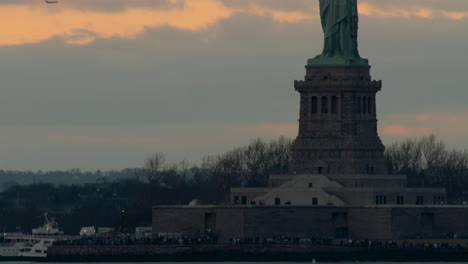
(249,165)
(154,164)
(427,163)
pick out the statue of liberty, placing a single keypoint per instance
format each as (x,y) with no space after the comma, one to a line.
(340,26)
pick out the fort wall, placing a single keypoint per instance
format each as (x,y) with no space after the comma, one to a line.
(354,222)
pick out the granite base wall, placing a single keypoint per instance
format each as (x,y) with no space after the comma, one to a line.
(376,223)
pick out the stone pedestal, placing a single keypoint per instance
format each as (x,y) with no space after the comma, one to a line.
(338,122)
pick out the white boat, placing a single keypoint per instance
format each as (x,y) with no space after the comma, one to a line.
(27,245)
(50,227)
(9,248)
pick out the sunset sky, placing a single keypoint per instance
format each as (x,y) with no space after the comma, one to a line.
(102,84)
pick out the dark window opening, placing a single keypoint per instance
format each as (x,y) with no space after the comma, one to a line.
(320,170)
(364,104)
(369,105)
(324,105)
(315,201)
(314,105)
(334,105)
(380,199)
(359,105)
(419,200)
(325,77)
(210,221)
(236,199)
(310,185)
(244,199)
(400,200)
(277,201)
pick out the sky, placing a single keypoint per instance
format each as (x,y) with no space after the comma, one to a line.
(102,84)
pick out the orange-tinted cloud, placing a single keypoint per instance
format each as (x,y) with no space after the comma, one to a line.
(32,23)
(278,15)
(402,131)
(420,11)
(450,126)
(455,15)
(370,10)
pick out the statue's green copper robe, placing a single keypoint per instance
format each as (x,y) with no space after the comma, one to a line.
(340,26)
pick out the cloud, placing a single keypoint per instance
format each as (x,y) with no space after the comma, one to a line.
(422,11)
(371,10)
(31,25)
(280,16)
(449,126)
(402,131)
(455,15)
(28,24)
(81,24)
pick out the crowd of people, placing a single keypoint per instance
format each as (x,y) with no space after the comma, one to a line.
(279,240)
(201,238)
(210,238)
(389,244)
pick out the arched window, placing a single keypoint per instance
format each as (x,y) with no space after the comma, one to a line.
(369,105)
(359,104)
(334,105)
(314,105)
(364,104)
(324,105)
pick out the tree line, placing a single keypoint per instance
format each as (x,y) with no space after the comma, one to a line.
(428,162)
(10,178)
